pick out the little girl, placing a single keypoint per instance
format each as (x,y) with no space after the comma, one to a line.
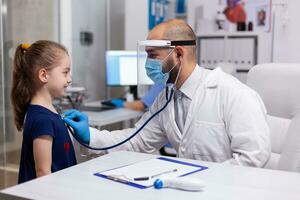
(41,73)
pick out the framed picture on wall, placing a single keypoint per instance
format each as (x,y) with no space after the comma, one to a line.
(262,17)
(256,12)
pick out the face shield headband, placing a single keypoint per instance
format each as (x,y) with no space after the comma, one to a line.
(167,43)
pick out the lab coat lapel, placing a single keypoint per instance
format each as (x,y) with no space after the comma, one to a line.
(195,104)
(196,101)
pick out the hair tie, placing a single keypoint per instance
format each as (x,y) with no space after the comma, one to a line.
(25,46)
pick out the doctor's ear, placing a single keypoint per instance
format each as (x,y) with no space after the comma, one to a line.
(43,75)
(179,52)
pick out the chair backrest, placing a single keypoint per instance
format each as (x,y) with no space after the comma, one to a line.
(279,87)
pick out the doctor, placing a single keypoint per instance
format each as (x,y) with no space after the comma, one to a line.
(212,117)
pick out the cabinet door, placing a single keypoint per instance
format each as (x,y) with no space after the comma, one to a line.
(243,53)
(211,51)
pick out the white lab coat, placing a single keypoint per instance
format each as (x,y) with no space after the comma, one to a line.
(226,122)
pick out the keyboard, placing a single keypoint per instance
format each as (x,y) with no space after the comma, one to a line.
(95,108)
(109,103)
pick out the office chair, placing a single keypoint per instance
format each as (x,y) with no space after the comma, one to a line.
(278,84)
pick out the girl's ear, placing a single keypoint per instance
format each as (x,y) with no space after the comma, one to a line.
(43,75)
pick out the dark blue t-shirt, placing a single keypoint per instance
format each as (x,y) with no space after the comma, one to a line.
(41,121)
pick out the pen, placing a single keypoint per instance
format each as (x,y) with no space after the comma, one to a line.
(145,178)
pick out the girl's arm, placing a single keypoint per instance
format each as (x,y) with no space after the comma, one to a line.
(42,152)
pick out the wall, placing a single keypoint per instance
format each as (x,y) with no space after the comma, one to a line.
(286,31)
(106,20)
(65,24)
(117,24)
(27,25)
(115,36)
(136,22)
(89,61)
(193,8)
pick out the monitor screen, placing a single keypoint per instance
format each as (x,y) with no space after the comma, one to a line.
(121,69)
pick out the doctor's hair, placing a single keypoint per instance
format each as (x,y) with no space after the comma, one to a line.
(28,60)
(176,29)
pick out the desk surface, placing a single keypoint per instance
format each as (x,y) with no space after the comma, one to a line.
(223,182)
(110,116)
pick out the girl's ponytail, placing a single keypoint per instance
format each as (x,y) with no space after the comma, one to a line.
(22,90)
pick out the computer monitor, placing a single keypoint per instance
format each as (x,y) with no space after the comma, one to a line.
(121,69)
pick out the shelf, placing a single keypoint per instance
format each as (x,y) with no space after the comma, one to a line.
(224,34)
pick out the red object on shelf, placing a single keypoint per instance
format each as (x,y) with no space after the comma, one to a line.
(235,13)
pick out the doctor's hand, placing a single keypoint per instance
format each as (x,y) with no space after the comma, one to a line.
(79,122)
(119,103)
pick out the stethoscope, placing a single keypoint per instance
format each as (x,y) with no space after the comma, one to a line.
(169,94)
(170,87)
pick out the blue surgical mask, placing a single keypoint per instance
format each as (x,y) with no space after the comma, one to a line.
(154,70)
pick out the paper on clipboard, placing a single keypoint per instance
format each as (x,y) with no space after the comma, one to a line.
(126,174)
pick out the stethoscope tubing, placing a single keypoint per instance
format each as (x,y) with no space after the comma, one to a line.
(130,137)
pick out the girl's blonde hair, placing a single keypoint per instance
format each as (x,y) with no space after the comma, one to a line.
(28,60)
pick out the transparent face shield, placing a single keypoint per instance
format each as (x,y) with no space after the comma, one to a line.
(150,63)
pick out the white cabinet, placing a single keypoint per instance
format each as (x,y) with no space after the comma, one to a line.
(243,50)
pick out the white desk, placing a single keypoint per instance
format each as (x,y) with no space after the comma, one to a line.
(111,116)
(106,117)
(223,182)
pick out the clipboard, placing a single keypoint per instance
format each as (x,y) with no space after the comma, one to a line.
(156,166)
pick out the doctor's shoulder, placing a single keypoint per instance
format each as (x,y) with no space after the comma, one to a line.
(227,85)
(225,80)
(233,91)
